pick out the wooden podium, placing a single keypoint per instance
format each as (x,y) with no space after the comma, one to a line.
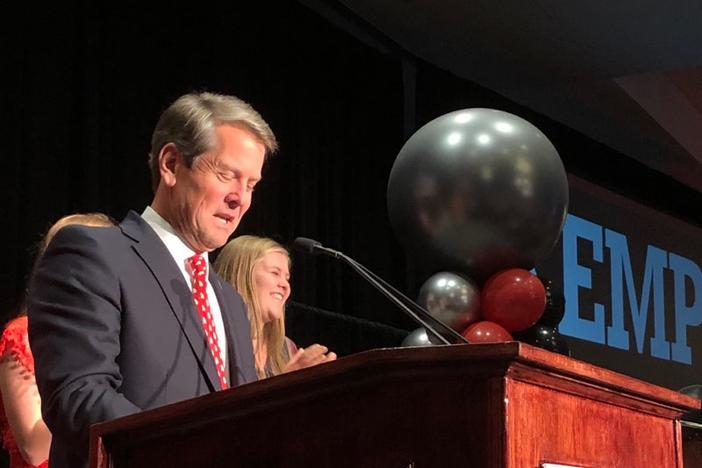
(478,405)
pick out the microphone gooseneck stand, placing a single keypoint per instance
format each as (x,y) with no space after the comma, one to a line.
(408,306)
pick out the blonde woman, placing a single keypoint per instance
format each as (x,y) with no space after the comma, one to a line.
(24,433)
(259,269)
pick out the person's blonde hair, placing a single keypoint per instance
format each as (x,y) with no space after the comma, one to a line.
(235,263)
(94,219)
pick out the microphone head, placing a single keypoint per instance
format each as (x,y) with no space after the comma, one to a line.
(307,245)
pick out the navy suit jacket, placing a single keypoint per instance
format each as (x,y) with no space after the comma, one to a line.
(114,330)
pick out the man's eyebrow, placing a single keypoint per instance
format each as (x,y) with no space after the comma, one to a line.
(224,166)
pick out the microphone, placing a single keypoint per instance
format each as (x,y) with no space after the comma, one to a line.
(411,308)
(313,247)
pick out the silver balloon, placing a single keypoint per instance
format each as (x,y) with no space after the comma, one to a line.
(478,190)
(416,338)
(451,298)
(695,391)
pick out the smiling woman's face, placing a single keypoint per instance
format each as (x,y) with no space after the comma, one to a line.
(271,276)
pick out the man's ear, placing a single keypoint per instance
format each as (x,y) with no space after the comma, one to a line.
(168,159)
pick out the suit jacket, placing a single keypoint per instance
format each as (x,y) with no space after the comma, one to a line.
(114,331)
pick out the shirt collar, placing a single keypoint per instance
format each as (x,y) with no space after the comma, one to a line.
(175,245)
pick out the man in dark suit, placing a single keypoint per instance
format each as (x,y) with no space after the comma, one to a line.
(130,318)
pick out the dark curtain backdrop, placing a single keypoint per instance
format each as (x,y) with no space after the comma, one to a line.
(85,83)
(88,82)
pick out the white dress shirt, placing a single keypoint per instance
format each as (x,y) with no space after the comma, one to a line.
(181,252)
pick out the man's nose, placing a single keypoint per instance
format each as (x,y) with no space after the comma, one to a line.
(236,195)
(233,202)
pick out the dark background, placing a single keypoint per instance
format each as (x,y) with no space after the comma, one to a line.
(85,83)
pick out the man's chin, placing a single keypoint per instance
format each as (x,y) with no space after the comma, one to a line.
(208,244)
(219,237)
(215,244)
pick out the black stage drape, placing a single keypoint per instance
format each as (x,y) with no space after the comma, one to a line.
(85,82)
(89,80)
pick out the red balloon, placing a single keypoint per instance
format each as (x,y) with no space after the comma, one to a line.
(513,298)
(486,332)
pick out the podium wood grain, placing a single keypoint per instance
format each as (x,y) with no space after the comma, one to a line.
(478,405)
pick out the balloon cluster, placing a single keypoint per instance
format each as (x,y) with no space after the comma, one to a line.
(513,304)
(481,195)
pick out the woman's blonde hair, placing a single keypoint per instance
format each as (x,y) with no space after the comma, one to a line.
(235,263)
(94,219)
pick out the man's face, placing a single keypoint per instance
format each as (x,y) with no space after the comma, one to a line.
(208,200)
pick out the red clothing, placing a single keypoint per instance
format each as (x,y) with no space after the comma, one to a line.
(15,341)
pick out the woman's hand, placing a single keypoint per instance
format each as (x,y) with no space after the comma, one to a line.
(308,357)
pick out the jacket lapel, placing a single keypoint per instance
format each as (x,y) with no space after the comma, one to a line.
(159,261)
(232,345)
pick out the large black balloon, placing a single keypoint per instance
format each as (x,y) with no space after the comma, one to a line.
(479,190)
(544,337)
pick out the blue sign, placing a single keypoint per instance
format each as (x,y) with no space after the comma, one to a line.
(632,282)
(639,300)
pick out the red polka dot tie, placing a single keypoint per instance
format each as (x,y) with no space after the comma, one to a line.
(198,272)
